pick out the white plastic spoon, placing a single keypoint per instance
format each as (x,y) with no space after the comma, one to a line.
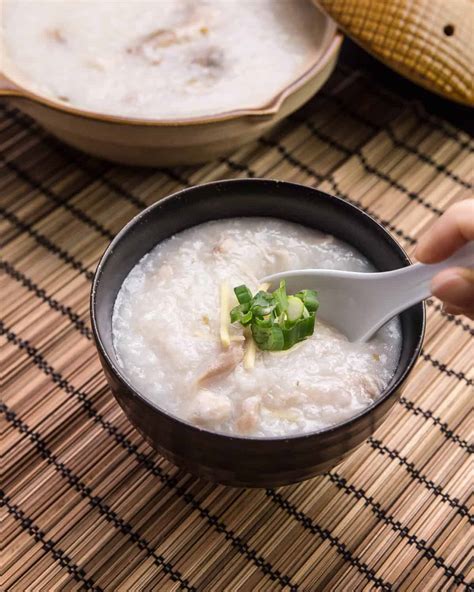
(358,304)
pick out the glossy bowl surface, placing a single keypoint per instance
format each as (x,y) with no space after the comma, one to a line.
(247,461)
(153,142)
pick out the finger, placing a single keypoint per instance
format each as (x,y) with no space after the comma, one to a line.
(456,310)
(455,287)
(448,233)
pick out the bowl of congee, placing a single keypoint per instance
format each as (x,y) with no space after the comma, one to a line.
(162,83)
(237,381)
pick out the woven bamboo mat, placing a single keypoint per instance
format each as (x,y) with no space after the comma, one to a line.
(88,505)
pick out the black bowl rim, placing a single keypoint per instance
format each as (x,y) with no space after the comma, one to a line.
(386,394)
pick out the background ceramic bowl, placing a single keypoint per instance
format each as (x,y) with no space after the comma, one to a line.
(150,142)
(242,461)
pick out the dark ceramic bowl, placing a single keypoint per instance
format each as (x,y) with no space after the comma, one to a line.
(242,461)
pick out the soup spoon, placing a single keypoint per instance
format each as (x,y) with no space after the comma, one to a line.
(358,304)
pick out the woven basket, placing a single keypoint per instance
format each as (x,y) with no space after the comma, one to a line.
(430,42)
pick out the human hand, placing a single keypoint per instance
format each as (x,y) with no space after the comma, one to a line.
(455,287)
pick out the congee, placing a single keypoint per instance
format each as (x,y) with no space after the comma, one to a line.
(160,59)
(177,345)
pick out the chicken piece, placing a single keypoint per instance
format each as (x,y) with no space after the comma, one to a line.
(223,246)
(224,364)
(278,259)
(370,385)
(250,415)
(209,409)
(56,35)
(208,63)
(96,63)
(282,259)
(211,58)
(193,24)
(149,45)
(283,401)
(165,272)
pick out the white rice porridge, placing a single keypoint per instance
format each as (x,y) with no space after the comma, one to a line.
(166,331)
(161,58)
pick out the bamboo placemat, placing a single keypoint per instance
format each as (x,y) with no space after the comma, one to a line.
(88,505)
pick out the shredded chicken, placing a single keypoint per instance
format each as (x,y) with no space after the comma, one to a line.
(369,384)
(223,365)
(282,259)
(282,402)
(209,409)
(250,415)
(288,414)
(223,246)
(193,24)
(211,58)
(56,35)
(279,259)
(96,64)
(149,45)
(165,272)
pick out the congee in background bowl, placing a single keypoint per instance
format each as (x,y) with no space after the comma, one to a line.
(163,82)
(245,401)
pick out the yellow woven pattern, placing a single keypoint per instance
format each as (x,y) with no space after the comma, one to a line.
(429,41)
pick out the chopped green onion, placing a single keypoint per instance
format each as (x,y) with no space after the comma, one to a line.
(243,294)
(241,314)
(298,331)
(281,298)
(295,308)
(267,335)
(262,304)
(309,299)
(277,321)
